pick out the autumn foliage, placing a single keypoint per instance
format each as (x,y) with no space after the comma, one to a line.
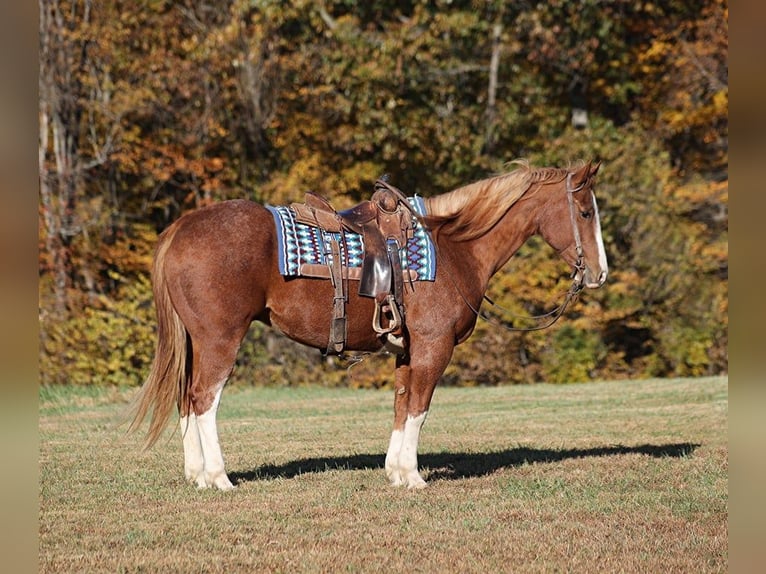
(150,109)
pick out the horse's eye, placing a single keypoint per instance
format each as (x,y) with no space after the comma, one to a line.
(586,214)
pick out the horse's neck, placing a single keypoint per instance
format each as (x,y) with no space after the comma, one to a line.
(491,251)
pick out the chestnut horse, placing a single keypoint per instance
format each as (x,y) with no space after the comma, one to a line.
(215,271)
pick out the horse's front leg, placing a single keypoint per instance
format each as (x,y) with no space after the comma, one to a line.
(415,383)
(402,455)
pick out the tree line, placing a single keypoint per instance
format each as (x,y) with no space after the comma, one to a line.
(150,109)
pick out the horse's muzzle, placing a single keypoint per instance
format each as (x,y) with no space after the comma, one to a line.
(590,280)
(600,280)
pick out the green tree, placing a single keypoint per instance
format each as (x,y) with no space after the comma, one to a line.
(149,110)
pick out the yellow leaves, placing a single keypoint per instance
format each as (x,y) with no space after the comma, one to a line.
(621,281)
(110,342)
(304,174)
(659,49)
(190,43)
(687,114)
(345,186)
(699,191)
(721,102)
(128,255)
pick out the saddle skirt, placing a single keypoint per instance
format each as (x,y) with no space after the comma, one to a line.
(305,250)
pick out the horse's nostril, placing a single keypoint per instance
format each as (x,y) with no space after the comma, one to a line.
(602,278)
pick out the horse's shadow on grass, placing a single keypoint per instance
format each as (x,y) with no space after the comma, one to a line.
(458,465)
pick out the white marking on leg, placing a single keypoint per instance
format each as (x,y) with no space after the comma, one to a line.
(215,474)
(408,456)
(392,458)
(194,461)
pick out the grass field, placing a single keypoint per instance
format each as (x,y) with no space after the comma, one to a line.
(600,477)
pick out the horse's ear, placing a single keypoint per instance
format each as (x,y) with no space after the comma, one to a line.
(586,172)
(581,176)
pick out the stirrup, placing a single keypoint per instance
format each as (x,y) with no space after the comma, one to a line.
(396,317)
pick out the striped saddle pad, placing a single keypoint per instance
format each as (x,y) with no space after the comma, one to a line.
(305,250)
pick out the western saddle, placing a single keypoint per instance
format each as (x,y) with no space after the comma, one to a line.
(385,222)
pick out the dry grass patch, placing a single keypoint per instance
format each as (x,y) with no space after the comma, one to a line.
(628,477)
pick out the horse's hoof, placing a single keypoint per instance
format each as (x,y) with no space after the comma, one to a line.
(416,482)
(395,479)
(225,486)
(222,482)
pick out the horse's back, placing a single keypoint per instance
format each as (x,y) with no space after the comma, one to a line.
(222,217)
(228,225)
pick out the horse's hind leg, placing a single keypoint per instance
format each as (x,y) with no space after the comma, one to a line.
(203,459)
(194,461)
(214,473)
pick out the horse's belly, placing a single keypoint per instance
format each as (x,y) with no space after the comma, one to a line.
(302,309)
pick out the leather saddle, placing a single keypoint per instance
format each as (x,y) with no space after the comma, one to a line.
(385,219)
(386,222)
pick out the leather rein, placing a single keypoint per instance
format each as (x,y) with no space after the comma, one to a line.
(572,292)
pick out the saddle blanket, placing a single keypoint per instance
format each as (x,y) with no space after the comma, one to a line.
(299,244)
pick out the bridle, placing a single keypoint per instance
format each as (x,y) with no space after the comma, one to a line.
(572,292)
(580,263)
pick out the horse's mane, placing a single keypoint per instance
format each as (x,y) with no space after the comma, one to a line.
(470,211)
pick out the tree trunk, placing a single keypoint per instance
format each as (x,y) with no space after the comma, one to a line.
(58,153)
(494,64)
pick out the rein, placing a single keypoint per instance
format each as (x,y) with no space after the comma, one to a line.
(572,292)
(555,314)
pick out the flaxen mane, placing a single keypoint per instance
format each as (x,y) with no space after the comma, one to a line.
(472,210)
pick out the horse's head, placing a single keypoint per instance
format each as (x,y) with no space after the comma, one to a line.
(571,225)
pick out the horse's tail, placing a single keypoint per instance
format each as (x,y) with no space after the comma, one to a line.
(167,383)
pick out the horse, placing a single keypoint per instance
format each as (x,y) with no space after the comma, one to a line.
(215,271)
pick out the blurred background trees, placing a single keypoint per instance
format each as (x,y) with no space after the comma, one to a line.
(150,109)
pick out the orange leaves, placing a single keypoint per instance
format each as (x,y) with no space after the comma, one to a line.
(170,163)
(687,79)
(176,105)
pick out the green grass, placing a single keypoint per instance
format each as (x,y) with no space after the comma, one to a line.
(600,477)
